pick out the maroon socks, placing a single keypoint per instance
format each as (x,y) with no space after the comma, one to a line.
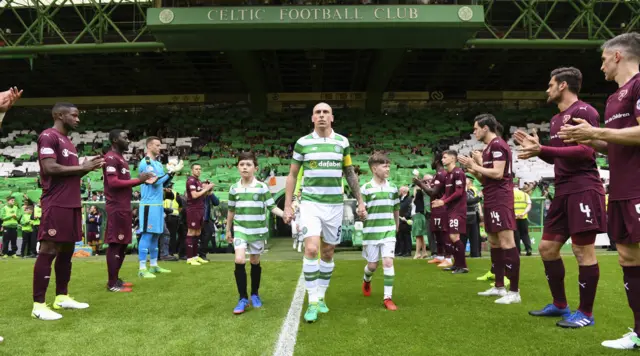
(497,265)
(41,276)
(555,276)
(632,287)
(63,272)
(588,279)
(512,267)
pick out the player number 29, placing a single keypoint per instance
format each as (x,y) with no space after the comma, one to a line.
(453,223)
(585,209)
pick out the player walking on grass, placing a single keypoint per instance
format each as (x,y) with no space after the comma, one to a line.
(619,139)
(61,223)
(578,209)
(249,201)
(151,212)
(496,176)
(379,233)
(118,190)
(325,156)
(455,199)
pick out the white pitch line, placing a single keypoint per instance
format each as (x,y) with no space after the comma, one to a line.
(289,331)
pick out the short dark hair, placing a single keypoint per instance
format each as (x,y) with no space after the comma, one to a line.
(114,135)
(571,75)
(487,120)
(378,158)
(11,198)
(151,139)
(450,153)
(62,106)
(628,42)
(247,156)
(195,164)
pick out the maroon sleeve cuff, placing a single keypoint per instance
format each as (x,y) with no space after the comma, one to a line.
(577,152)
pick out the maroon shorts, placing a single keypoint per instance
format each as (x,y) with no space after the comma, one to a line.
(118,227)
(457,225)
(624,221)
(575,213)
(195,219)
(438,221)
(499,218)
(60,224)
(92,236)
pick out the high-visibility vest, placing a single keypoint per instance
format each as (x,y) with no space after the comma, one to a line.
(172,204)
(37,214)
(521,200)
(7,216)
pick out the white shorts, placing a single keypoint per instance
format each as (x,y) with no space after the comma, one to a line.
(253,248)
(372,253)
(321,220)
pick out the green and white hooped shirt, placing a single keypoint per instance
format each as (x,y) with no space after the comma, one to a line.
(322,160)
(250,205)
(381,202)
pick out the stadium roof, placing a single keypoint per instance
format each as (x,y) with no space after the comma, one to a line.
(452,72)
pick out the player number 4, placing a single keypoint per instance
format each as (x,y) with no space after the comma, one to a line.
(585,209)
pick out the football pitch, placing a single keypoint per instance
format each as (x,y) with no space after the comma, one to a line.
(189,312)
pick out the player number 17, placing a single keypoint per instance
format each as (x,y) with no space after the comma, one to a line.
(437,221)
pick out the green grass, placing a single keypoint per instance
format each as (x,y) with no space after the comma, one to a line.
(188,312)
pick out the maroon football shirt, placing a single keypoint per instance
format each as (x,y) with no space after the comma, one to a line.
(498,191)
(575,175)
(623,107)
(60,191)
(194,185)
(118,199)
(438,183)
(456,180)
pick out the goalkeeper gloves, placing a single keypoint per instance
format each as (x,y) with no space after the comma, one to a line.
(175,167)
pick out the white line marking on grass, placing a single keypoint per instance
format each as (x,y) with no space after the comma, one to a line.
(289,331)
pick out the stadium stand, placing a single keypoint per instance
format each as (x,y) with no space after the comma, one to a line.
(212,137)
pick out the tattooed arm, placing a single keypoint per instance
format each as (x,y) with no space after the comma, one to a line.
(352,179)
